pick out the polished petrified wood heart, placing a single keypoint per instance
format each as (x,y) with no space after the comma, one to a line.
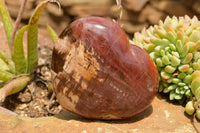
(97,74)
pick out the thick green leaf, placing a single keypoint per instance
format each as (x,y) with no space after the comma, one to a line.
(5,76)
(14,86)
(3,66)
(52,33)
(7,21)
(8,61)
(32,49)
(19,56)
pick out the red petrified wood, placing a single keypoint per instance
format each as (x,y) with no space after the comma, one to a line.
(97,74)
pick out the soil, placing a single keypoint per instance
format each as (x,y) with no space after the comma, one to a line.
(35,100)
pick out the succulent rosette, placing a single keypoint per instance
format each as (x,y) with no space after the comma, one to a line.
(174,45)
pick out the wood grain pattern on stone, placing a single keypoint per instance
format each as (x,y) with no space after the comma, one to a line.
(97,74)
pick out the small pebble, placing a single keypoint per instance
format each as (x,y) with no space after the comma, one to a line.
(22,106)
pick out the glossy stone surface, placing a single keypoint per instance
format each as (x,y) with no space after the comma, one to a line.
(97,74)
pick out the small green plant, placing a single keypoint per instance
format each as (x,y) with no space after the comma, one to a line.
(174,45)
(17,70)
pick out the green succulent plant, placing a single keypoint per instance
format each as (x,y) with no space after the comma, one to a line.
(174,46)
(17,70)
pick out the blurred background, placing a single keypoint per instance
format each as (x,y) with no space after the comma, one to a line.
(136,13)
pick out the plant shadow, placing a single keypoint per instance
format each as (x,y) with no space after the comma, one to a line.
(66,115)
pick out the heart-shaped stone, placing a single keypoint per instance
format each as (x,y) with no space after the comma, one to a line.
(97,74)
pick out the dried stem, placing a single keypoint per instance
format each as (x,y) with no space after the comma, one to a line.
(50,104)
(57,2)
(119,4)
(16,25)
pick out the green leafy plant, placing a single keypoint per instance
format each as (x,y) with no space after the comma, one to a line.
(17,70)
(52,34)
(174,45)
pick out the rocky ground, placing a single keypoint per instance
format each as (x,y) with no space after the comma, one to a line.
(34,101)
